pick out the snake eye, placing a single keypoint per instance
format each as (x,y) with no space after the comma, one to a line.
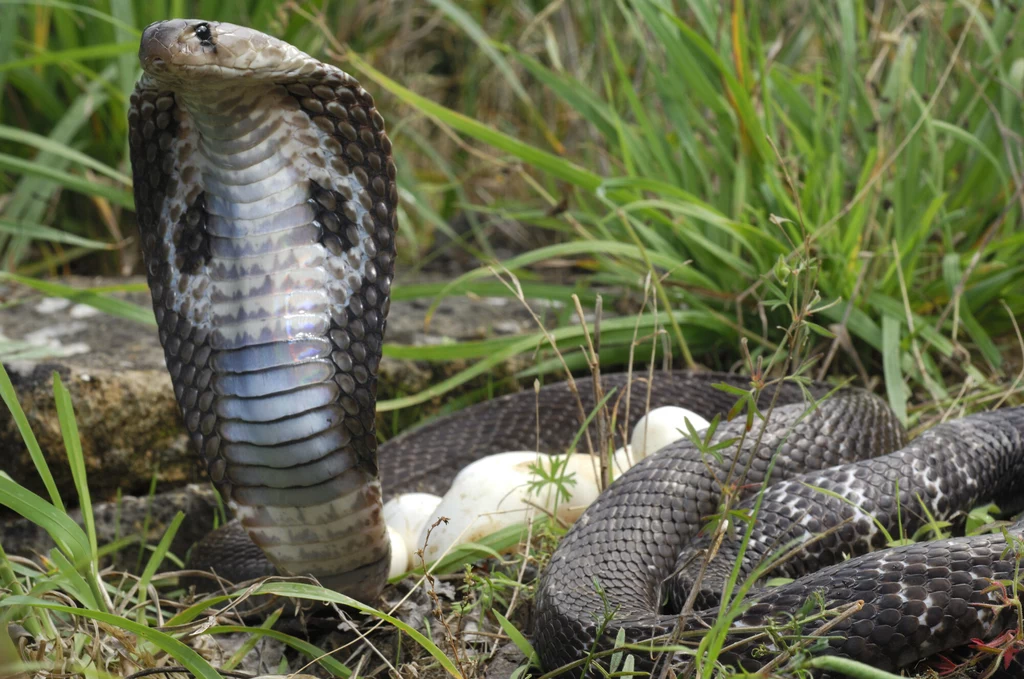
(203,32)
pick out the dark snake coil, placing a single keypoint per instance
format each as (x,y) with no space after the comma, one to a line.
(266,199)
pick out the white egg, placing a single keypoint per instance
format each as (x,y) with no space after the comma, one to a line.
(660,427)
(494,492)
(504,490)
(406,514)
(399,554)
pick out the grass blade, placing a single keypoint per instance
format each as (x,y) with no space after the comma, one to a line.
(115,307)
(891,358)
(184,655)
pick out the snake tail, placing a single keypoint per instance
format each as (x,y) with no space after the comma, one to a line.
(828,515)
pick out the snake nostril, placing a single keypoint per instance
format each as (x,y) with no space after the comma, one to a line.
(154,47)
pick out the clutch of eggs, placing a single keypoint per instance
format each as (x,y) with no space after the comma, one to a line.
(495,492)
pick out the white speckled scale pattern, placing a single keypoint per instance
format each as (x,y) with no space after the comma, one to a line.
(826,516)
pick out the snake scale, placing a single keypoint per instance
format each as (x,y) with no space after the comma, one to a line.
(266,202)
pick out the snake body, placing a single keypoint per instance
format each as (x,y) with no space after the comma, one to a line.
(266,201)
(638,541)
(265,193)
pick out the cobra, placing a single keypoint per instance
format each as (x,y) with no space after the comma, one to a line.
(266,201)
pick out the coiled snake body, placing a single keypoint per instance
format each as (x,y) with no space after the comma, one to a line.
(266,200)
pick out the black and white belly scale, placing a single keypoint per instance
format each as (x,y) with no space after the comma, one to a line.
(270,282)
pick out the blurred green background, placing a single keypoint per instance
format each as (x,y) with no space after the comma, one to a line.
(720,169)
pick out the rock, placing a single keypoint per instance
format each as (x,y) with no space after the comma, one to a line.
(128,422)
(124,406)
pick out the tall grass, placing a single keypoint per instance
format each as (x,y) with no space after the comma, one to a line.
(636,135)
(900,128)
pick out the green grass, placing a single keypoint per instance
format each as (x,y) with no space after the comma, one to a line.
(712,146)
(892,163)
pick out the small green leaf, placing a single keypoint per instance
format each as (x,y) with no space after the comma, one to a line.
(817,329)
(521,642)
(777,582)
(847,667)
(891,356)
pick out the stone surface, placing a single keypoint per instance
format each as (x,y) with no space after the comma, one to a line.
(114,369)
